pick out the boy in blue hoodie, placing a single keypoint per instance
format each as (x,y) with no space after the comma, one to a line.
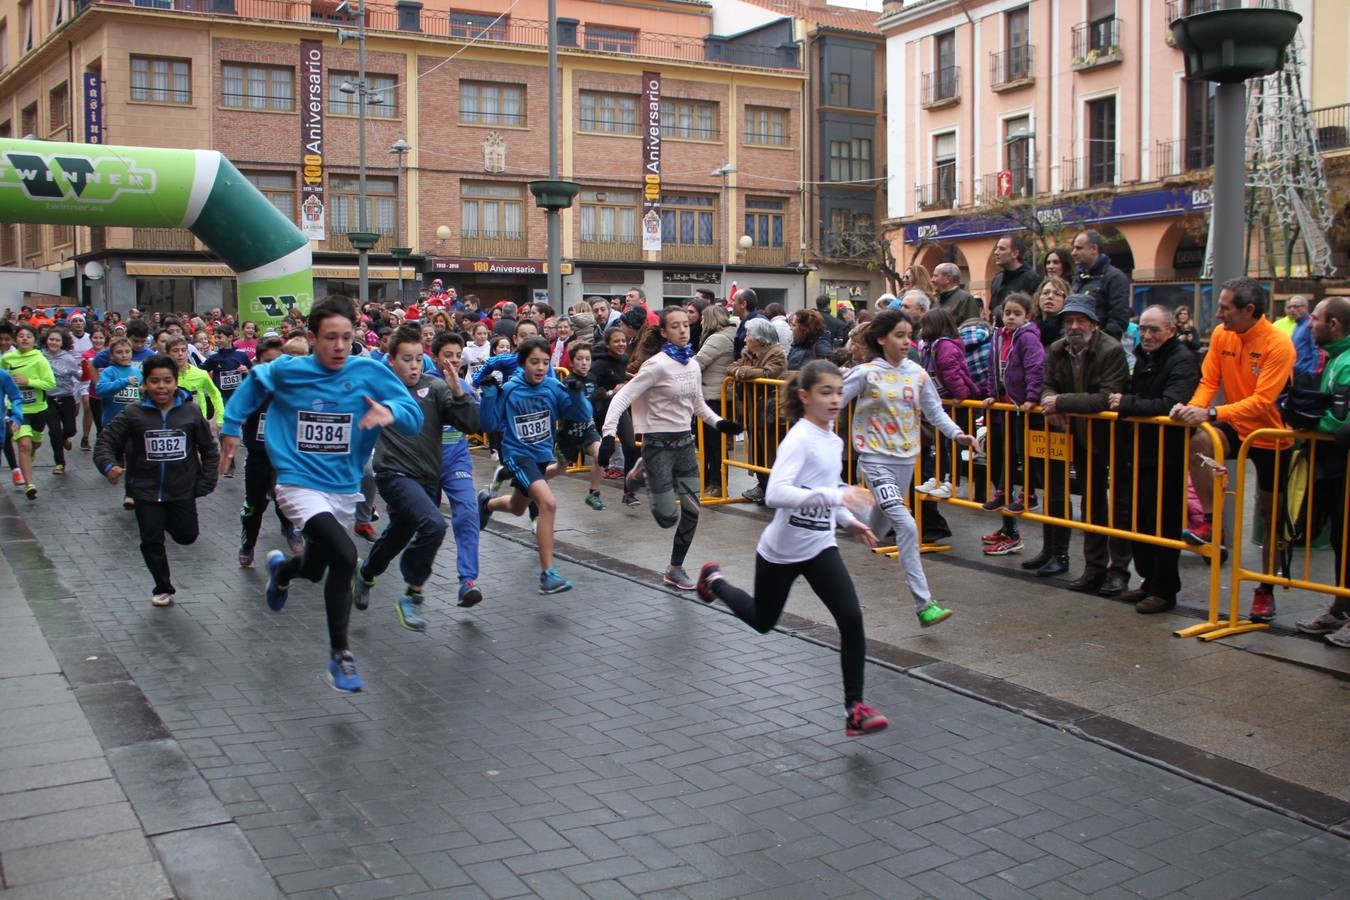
(326,413)
(525,413)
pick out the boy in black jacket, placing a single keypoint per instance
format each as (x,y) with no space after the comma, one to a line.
(171,460)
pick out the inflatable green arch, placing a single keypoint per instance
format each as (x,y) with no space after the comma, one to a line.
(50,183)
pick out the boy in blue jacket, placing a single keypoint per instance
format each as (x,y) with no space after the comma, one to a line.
(326,413)
(457,474)
(525,413)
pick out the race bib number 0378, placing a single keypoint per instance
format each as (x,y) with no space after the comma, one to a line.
(317,432)
(127,395)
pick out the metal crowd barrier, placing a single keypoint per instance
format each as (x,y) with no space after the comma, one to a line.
(1271,569)
(1041,450)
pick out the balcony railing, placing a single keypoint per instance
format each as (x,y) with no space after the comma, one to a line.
(1178,8)
(938,195)
(1096,43)
(603,249)
(1011,67)
(1331,124)
(162,239)
(493,244)
(507,30)
(1177,157)
(689,253)
(1081,173)
(1010,184)
(766,256)
(941,87)
(338,243)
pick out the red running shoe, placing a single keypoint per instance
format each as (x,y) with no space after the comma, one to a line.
(996,537)
(1263,605)
(863,719)
(366,530)
(1199,535)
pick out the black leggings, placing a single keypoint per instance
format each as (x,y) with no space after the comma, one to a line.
(327,547)
(623,433)
(671,463)
(62,413)
(259,479)
(831,582)
(10,459)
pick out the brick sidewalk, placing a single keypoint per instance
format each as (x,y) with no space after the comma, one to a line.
(614,741)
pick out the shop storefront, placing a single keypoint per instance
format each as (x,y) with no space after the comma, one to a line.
(494,280)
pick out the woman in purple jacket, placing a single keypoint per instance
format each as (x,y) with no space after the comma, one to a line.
(944,358)
(1014,377)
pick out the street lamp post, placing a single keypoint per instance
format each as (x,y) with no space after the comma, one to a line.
(723,171)
(401,148)
(362,238)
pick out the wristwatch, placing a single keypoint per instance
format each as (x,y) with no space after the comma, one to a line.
(1214,414)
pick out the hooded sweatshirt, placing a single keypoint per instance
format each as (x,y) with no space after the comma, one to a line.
(170,454)
(116,391)
(32,365)
(199,384)
(66,367)
(313,428)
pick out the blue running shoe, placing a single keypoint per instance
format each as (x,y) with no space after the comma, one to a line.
(407,614)
(550,582)
(276,591)
(469,594)
(483,512)
(294,540)
(342,673)
(361,587)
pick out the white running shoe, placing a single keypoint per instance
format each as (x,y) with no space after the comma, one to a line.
(941,492)
(927,487)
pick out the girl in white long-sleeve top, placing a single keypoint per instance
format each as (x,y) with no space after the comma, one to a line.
(894,395)
(809,502)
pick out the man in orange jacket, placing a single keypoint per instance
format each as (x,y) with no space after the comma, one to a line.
(1251,361)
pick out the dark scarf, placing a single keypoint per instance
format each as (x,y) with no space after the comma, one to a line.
(681,355)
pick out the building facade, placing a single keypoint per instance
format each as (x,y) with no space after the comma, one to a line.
(1046,118)
(843,180)
(652,102)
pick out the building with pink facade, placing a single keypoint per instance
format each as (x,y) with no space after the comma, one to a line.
(1047,117)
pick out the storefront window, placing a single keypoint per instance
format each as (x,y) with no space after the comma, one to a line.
(164,295)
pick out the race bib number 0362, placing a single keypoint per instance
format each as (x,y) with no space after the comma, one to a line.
(165,446)
(317,432)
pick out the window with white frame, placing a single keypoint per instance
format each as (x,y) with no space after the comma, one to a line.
(481,103)
(608,113)
(490,211)
(609,217)
(381,100)
(690,119)
(156,79)
(248,86)
(381,203)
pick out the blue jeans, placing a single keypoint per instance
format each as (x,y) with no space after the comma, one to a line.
(457,483)
(415,522)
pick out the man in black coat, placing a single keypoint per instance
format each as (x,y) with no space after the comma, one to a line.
(1108,287)
(1014,274)
(1166,373)
(836,329)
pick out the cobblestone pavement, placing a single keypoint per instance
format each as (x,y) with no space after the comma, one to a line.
(614,741)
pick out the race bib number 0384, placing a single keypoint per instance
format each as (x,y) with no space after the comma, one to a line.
(317,432)
(165,446)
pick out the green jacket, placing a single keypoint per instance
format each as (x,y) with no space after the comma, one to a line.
(198,383)
(32,365)
(1335,374)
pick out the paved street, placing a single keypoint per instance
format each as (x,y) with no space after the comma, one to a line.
(615,741)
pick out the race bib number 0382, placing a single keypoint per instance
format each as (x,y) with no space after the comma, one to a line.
(165,446)
(317,432)
(533,427)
